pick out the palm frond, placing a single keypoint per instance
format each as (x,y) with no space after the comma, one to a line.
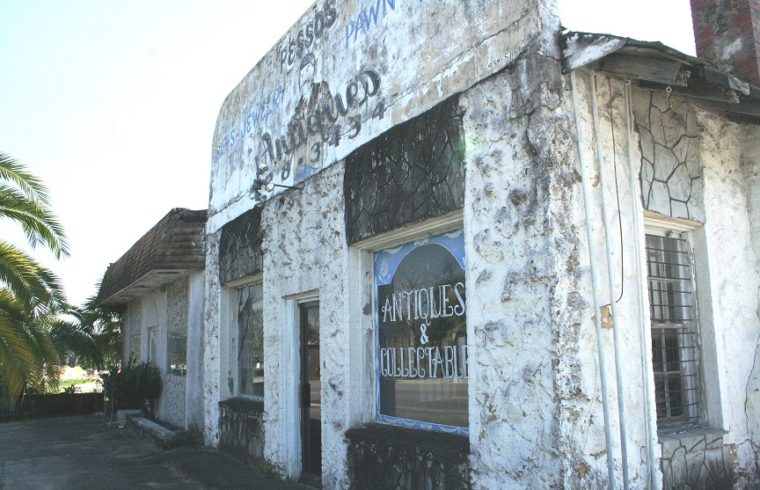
(38,222)
(17,358)
(69,337)
(30,282)
(31,186)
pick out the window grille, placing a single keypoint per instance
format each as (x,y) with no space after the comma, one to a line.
(675,332)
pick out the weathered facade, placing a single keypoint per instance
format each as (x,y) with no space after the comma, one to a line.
(449,246)
(158,284)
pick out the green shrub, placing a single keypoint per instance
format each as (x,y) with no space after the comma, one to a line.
(134,386)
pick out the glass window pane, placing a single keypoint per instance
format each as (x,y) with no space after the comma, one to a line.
(251,341)
(422,331)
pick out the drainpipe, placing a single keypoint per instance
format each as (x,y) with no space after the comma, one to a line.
(586,185)
(611,280)
(646,366)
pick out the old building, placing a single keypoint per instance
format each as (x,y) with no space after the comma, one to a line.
(449,245)
(158,285)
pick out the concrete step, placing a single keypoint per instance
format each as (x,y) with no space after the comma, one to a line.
(164,437)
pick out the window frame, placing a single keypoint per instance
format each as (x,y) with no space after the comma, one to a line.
(683,230)
(233,333)
(381,245)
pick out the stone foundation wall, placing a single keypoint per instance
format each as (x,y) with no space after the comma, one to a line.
(241,427)
(699,459)
(382,457)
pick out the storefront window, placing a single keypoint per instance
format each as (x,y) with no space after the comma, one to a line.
(421,333)
(251,341)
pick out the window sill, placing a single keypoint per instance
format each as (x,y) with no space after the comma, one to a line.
(689,432)
(390,435)
(243,403)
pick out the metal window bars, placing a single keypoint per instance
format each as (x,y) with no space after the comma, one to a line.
(675,333)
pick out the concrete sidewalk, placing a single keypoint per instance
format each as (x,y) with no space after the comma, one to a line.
(85,452)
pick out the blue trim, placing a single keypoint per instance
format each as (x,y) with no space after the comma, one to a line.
(385,265)
(416,424)
(387,261)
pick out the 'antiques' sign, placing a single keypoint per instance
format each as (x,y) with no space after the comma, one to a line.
(345,73)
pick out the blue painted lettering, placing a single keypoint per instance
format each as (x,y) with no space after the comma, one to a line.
(367,18)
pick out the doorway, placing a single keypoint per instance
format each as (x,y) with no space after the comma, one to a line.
(310,382)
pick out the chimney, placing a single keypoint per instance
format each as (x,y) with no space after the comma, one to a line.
(727,34)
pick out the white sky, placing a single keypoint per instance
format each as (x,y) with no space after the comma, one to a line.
(113,103)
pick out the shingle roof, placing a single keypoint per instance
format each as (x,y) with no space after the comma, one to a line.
(174,246)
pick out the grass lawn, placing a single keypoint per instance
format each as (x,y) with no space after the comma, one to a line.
(81,385)
(73,382)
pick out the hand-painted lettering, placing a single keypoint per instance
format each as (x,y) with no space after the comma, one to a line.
(367,18)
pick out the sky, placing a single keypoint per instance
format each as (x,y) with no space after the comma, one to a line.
(113,103)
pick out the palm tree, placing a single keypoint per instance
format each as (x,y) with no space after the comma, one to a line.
(92,333)
(29,292)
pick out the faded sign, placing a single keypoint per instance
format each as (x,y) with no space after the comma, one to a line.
(346,72)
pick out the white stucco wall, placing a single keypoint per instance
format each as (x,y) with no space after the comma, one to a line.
(585,421)
(515,277)
(132,324)
(172,404)
(726,270)
(751,163)
(535,402)
(733,285)
(213,320)
(305,250)
(179,304)
(195,375)
(401,43)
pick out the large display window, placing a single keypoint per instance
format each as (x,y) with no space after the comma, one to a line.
(421,335)
(250,341)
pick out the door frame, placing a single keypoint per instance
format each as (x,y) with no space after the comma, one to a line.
(290,410)
(302,378)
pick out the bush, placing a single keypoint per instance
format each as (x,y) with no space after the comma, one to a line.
(135,386)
